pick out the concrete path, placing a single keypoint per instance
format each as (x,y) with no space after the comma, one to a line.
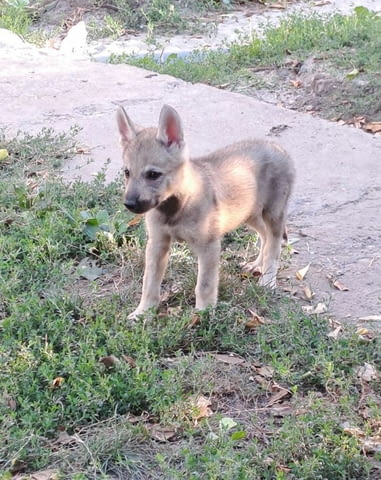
(335,213)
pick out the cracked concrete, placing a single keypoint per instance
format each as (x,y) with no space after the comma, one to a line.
(335,211)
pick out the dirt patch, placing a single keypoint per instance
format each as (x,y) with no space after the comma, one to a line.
(315,86)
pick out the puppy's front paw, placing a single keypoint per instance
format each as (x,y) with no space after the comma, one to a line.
(135,314)
(252,267)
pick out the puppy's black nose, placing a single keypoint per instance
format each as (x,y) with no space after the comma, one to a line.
(131,204)
(136,205)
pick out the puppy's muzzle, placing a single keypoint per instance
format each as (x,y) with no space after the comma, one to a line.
(137,206)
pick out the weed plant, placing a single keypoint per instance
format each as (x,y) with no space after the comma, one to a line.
(14,16)
(82,389)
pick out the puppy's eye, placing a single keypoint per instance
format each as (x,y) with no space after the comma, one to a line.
(126,173)
(153,175)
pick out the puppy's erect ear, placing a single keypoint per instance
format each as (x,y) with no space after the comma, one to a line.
(170,130)
(126,128)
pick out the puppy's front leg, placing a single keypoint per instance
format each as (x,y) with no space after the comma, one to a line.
(207,278)
(157,253)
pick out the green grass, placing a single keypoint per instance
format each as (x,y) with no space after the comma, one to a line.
(55,326)
(14,16)
(339,43)
(296,35)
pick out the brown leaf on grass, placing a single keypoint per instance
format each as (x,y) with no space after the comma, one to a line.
(308,293)
(195,320)
(370,444)
(110,361)
(365,334)
(373,127)
(135,220)
(255,320)
(201,408)
(280,394)
(8,401)
(161,433)
(48,474)
(265,371)
(337,284)
(367,372)
(263,382)
(64,438)
(335,333)
(315,310)
(57,382)
(131,362)
(282,410)
(283,468)
(296,83)
(300,274)
(230,359)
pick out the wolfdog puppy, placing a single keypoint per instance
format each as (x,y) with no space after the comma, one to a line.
(199,200)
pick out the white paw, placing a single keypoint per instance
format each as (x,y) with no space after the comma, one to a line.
(252,267)
(135,314)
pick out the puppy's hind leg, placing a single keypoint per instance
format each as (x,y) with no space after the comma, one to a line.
(259,225)
(275,228)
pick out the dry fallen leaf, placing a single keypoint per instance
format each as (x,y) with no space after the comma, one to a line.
(373,127)
(265,371)
(365,334)
(57,382)
(282,410)
(131,362)
(174,311)
(367,372)
(8,401)
(195,320)
(263,382)
(230,359)
(160,433)
(279,394)
(82,150)
(370,444)
(300,274)
(135,220)
(337,284)
(371,318)
(110,361)
(296,83)
(201,408)
(64,439)
(45,475)
(255,320)
(317,310)
(308,293)
(335,333)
